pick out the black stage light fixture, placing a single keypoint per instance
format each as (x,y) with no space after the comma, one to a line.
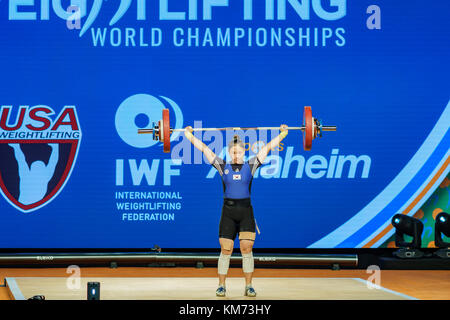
(405,225)
(442,227)
(93,291)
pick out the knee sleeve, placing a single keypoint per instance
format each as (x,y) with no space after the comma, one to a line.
(248,263)
(223,264)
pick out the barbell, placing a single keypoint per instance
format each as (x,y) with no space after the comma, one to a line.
(311,128)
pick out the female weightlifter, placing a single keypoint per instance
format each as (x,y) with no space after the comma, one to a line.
(237,212)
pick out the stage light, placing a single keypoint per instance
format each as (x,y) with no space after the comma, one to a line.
(405,225)
(93,291)
(442,227)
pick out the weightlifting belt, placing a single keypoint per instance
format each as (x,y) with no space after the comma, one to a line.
(239,203)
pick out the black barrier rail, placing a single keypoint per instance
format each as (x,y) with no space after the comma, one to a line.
(347,260)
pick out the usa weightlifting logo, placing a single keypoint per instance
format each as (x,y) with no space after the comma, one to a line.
(39,148)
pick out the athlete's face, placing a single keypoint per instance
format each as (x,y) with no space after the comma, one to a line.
(236,154)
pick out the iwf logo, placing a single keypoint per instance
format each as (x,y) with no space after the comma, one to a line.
(140,111)
(38,151)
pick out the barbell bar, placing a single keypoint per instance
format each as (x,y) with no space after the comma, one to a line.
(312,128)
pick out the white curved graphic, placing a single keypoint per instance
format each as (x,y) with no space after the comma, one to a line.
(354,224)
(92,16)
(123,7)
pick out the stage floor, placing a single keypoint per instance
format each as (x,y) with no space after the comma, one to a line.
(200,288)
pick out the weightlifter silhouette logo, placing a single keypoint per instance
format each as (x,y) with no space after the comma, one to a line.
(38,151)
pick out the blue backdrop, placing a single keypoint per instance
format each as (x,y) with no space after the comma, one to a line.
(385,88)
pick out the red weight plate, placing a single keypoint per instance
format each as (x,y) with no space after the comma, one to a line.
(309,128)
(166,131)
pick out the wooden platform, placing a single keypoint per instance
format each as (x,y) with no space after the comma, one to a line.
(200,288)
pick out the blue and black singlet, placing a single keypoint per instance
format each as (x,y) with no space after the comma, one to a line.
(237,211)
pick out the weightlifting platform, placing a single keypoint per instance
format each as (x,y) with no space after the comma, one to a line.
(199,288)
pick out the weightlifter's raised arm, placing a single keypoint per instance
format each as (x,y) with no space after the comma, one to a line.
(262,154)
(199,144)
